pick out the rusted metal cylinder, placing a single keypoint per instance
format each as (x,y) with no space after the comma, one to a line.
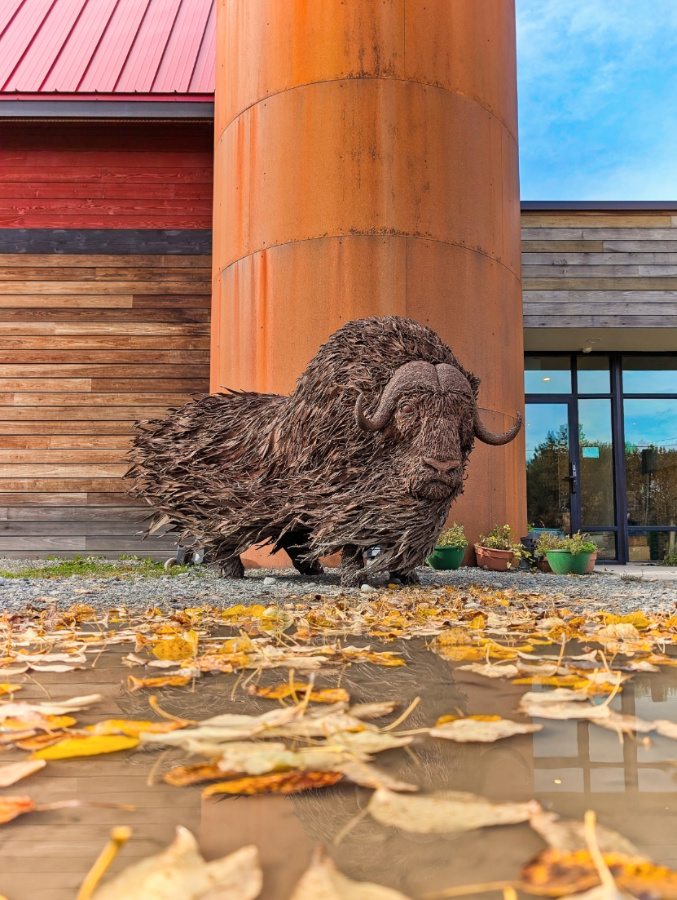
(366,164)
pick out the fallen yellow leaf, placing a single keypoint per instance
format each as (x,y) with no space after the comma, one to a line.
(16,771)
(276,783)
(87,746)
(9,688)
(135,684)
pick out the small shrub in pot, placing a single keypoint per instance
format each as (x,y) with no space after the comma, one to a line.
(498,550)
(449,549)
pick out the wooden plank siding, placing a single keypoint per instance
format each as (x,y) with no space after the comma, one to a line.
(591,268)
(145,175)
(104,340)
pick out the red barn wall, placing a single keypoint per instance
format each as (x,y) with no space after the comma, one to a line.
(105,284)
(106,176)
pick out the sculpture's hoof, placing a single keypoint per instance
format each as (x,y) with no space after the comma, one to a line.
(310,569)
(231,568)
(408,578)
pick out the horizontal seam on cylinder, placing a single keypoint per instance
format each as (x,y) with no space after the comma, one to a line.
(440,87)
(371,235)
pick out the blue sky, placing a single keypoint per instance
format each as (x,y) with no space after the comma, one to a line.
(598,99)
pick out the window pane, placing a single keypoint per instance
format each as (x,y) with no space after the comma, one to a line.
(650,374)
(651,461)
(596,465)
(548,488)
(606,543)
(547,375)
(652,546)
(593,375)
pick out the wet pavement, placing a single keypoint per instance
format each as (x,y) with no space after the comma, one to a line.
(569,766)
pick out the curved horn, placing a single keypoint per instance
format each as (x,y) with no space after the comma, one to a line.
(488,437)
(409,375)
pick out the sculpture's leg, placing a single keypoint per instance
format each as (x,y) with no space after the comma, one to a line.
(228,563)
(296,544)
(351,566)
(406,577)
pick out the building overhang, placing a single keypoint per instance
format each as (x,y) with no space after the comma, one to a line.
(111,110)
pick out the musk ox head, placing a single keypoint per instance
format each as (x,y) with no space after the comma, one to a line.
(428,416)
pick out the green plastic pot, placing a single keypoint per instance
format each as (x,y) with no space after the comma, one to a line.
(560,561)
(579,563)
(446,557)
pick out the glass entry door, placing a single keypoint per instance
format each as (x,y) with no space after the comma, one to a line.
(551,473)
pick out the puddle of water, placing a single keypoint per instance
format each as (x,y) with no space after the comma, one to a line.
(569,767)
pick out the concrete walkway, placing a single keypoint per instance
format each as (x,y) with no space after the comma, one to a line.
(648,573)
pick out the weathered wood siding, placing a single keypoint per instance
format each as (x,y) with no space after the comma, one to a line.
(88,344)
(599,269)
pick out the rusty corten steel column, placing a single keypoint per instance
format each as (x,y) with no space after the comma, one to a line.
(366,164)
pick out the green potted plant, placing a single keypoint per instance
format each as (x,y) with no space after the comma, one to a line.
(449,549)
(498,549)
(581,550)
(566,554)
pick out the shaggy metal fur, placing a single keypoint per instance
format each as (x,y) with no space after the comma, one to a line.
(370,449)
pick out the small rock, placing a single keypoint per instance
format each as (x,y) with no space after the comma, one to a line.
(498,585)
(4,580)
(269,580)
(367,589)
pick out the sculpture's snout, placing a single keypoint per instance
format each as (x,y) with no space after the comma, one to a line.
(443,466)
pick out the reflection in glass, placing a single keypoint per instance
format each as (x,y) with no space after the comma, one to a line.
(650,374)
(547,375)
(651,461)
(606,543)
(596,462)
(593,374)
(651,546)
(548,487)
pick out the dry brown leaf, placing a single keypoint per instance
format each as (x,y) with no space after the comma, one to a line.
(569,835)
(87,746)
(323,881)
(473,730)
(185,775)
(14,772)
(445,811)
(301,691)
(558,873)
(371,777)
(136,684)
(279,783)
(181,873)
(133,728)
(11,807)
(564,710)
(492,670)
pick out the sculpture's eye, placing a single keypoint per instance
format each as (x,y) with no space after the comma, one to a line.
(408,409)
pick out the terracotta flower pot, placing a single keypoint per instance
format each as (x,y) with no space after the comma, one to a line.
(497,560)
(590,568)
(449,558)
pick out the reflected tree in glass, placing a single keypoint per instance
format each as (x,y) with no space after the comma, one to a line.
(548,504)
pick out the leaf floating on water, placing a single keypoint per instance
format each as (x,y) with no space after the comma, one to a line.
(666,728)
(14,772)
(373,710)
(492,670)
(22,710)
(558,873)
(133,728)
(87,746)
(370,777)
(323,881)
(136,684)
(177,648)
(563,710)
(569,835)
(181,873)
(445,812)
(11,807)
(185,775)
(9,688)
(474,730)
(281,783)
(301,691)
(629,724)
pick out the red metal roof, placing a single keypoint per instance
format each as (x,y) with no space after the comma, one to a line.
(139,49)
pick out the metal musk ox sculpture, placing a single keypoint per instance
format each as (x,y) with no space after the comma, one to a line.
(370,449)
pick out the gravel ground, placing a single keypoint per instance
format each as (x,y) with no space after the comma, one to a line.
(201,586)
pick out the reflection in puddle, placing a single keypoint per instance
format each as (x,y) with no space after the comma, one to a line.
(569,767)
